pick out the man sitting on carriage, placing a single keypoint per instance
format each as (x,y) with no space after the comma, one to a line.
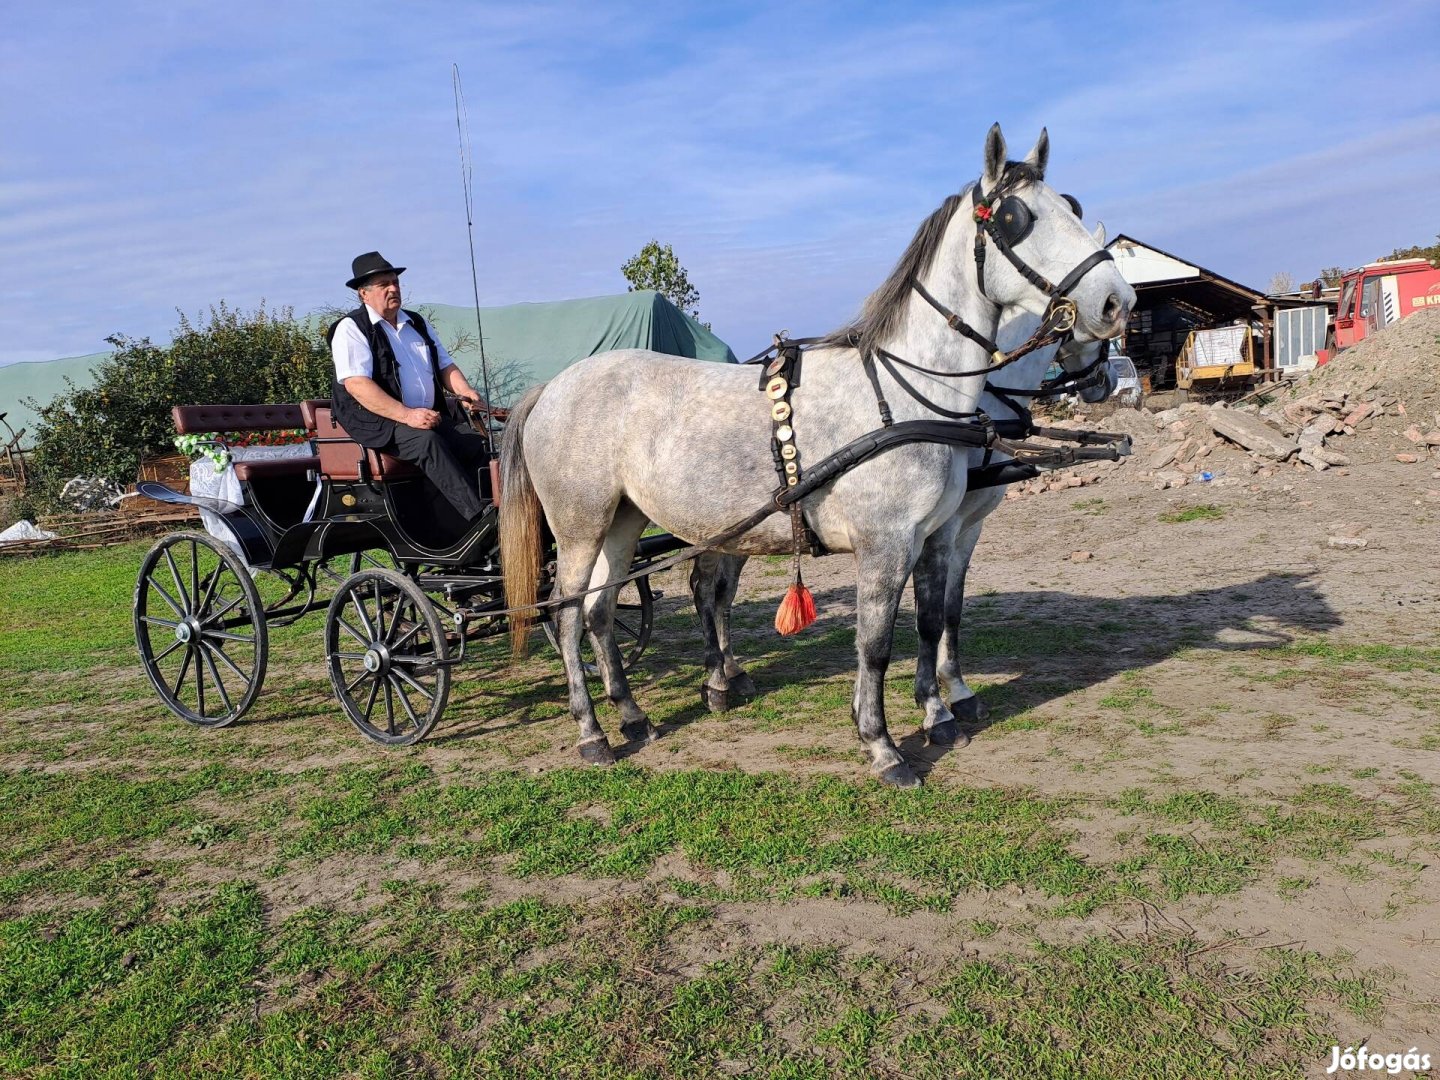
(391,379)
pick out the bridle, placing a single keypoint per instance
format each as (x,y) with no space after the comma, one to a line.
(1003,219)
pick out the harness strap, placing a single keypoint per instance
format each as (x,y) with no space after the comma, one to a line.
(889,360)
(868,362)
(960,326)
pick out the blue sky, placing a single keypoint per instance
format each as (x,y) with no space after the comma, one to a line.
(163,157)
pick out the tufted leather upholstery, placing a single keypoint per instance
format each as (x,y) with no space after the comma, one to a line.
(197,419)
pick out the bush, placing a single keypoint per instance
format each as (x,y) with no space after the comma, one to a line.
(239,358)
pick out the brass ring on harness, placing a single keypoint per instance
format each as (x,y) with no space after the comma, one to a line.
(788,451)
(1064,316)
(780,411)
(791,468)
(775,366)
(784,433)
(776,387)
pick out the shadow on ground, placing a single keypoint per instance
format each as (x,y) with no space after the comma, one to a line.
(1057,642)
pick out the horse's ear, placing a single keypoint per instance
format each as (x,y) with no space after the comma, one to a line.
(1039,155)
(1100,234)
(994,158)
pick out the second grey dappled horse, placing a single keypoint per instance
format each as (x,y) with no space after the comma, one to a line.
(715,576)
(630,437)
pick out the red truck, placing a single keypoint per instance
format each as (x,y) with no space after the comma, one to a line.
(1381,293)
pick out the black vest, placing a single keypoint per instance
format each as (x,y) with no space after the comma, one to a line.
(364,426)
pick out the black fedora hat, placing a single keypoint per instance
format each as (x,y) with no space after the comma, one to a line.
(367,266)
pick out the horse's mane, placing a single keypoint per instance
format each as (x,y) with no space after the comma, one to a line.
(885,307)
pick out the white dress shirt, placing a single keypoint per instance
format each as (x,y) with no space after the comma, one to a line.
(351,350)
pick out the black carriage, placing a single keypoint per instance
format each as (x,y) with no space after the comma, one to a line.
(406,586)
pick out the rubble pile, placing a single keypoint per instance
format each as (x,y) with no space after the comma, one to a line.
(1379,401)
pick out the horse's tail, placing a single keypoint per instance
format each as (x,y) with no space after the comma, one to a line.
(520,533)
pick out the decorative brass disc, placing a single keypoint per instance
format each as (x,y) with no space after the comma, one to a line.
(788,451)
(784,433)
(780,411)
(776,387)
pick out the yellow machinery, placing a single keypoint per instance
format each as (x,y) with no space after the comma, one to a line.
(1216,357)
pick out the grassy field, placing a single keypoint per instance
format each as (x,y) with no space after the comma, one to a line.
(282,899)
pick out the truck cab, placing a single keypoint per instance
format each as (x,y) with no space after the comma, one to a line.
(1380,293)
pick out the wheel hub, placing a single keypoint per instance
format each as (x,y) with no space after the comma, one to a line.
(187,630)
(377,659)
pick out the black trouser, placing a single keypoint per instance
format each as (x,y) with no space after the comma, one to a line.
(449,454)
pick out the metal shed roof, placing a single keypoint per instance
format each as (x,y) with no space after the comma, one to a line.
(1203,293)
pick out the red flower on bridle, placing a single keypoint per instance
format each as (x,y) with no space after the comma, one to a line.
(983,212)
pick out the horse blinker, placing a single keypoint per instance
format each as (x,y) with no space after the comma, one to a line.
(1014,220)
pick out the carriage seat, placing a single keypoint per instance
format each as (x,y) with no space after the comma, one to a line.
(308,408)
(199,419)
(341,456)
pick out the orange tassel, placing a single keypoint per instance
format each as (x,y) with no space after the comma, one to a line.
(797,610)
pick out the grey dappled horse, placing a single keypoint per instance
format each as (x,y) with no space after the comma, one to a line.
(625,438)
(715,576)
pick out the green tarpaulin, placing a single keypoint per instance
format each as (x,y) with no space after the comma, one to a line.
(547,338)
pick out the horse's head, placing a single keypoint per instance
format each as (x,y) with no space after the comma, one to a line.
(1031,250)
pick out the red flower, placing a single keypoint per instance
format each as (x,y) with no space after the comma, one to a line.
(983,213)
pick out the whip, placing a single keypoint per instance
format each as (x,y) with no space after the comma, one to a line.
(462,129)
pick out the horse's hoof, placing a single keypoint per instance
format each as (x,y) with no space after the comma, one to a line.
(971,710)
(898,775)
(948,733)
(597,751)
(715,700)
(743,685)
(642,732)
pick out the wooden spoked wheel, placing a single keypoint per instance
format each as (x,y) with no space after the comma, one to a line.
(200,628)
(385,649)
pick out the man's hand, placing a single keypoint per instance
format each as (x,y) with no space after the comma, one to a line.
(470,401)
(425,419)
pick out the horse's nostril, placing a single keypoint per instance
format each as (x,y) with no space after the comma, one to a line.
(1112,308)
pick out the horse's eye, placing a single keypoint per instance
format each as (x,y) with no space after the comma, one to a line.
(1074,205)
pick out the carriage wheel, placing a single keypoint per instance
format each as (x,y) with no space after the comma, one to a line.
(384,648)
(200,627)
(337,568)
(634,620)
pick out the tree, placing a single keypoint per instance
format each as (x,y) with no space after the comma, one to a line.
(238,358)
(657,268)
(1280,282)
(1431,253)
(1331,275)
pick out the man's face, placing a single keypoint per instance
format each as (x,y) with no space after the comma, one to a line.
(382,292)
